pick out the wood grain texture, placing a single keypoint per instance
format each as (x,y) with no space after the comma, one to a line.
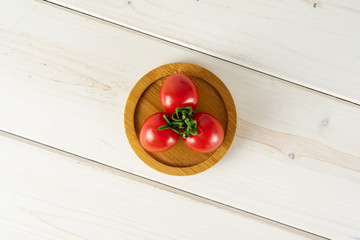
(47,195)
(313,43)
(144,100)
(65,79)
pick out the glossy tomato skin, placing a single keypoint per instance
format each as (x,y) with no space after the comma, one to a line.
(154,140)
(210,134)
(178,90)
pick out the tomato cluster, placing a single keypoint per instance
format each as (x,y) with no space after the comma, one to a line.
(201,132)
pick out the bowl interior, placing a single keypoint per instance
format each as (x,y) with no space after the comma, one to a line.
(180,155)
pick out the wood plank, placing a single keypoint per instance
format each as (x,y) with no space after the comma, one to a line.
(49,195)
(311,43)
(65,79)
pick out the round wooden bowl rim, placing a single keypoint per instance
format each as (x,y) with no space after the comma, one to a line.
(144,83)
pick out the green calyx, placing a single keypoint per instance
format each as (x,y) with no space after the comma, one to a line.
(181,122)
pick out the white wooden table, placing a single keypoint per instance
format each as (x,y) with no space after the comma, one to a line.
(68,172)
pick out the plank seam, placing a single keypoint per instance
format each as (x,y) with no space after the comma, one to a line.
(179,44)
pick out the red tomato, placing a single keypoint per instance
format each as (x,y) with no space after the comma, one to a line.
(210,134)
(178,91)
(155,140)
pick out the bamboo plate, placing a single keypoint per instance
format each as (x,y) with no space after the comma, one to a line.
(144,100)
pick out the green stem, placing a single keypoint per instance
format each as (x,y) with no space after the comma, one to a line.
(181,122)
(166,126)
(167,119)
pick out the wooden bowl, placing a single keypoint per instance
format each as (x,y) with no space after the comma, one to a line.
(144,100)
